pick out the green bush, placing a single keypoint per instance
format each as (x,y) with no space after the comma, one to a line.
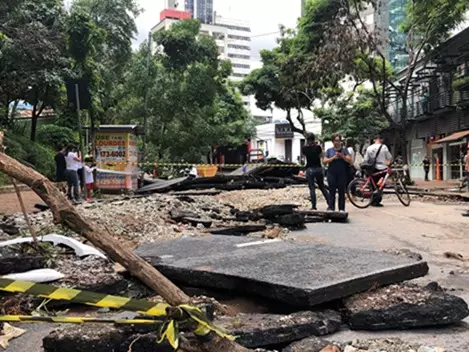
(55,136)
(36,155)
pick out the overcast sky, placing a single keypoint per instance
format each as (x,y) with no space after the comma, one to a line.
(264,17)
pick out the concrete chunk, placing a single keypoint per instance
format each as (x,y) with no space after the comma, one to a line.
(403,307)
(261,330)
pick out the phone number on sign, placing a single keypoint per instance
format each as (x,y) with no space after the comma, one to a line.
(112,154)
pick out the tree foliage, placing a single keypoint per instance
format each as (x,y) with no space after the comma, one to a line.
(34,59)
(192,106)
(355,116)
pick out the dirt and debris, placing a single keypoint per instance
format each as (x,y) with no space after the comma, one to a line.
(166,216)
(386,296)
(314,344)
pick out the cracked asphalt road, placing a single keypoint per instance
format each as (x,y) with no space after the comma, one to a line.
(430,229)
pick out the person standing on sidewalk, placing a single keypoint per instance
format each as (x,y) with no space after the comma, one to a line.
(73,165)
(379,154)
(426,167)
(339,160)
(60,169)
(314,170)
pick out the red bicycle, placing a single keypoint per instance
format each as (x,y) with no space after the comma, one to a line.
(362,190)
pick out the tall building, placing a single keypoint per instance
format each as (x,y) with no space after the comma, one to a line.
(200,9)
(238,45)
(385,20)
(398,55)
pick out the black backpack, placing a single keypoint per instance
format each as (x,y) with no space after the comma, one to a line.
(370,165)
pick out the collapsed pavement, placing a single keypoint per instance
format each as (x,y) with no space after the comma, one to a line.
(272,331)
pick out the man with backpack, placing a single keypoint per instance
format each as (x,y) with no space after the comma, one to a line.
(378,158)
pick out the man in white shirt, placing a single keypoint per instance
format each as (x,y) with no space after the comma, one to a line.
(382,157)
(74,163)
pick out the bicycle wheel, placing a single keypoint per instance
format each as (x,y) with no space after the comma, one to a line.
(360,193)
(401,192)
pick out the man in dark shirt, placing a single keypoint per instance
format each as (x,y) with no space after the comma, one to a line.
(61,167)
(314,170)
(426,167)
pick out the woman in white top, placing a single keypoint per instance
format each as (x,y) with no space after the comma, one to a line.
(74,163)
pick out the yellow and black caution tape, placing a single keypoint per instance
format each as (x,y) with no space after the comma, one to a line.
(75,320)
(266,165)
(170,325)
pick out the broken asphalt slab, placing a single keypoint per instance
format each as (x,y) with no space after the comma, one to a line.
(13,262)
(301,275)
(402,307)
(102,338)
(261,330)
(251,330)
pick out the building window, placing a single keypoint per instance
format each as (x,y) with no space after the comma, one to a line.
(218,35)
(241,66)
(236,28)
(242,75)
(238,37)
(241,47)
(238,56)
(221,49)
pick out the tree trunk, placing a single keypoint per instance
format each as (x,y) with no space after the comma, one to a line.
(66,214)
(34,121)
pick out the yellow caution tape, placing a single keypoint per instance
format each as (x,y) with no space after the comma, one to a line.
(76,320)
(156,164)
(169,329)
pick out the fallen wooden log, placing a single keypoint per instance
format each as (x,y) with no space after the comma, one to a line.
(63,212)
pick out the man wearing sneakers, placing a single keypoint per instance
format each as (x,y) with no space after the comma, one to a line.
(378,152)
(314,169)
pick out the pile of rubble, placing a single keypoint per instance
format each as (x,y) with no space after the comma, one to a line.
(298,280)
(157,217)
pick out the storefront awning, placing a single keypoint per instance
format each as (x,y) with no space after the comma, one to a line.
(454,137)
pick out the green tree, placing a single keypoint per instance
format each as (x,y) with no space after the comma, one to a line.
(191,103)
(355,116)
(289,79)
(34,59)
(100,39)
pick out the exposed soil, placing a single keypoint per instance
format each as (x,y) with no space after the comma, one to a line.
(9,203)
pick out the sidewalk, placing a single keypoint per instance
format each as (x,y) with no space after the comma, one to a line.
(434,185)
(439,188)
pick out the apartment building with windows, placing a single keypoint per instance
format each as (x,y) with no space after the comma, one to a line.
(437,110)
(238,45)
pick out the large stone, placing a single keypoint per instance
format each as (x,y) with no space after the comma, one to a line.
(14,262)
(402,307)
(298,274)
(261,330)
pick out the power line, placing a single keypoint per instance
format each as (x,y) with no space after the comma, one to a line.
(265,34)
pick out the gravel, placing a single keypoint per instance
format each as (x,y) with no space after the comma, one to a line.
(148,219)
(390,295)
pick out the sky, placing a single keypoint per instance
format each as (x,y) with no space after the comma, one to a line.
(264,17)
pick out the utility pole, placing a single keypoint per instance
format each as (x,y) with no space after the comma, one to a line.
(80,127)
(145,119)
